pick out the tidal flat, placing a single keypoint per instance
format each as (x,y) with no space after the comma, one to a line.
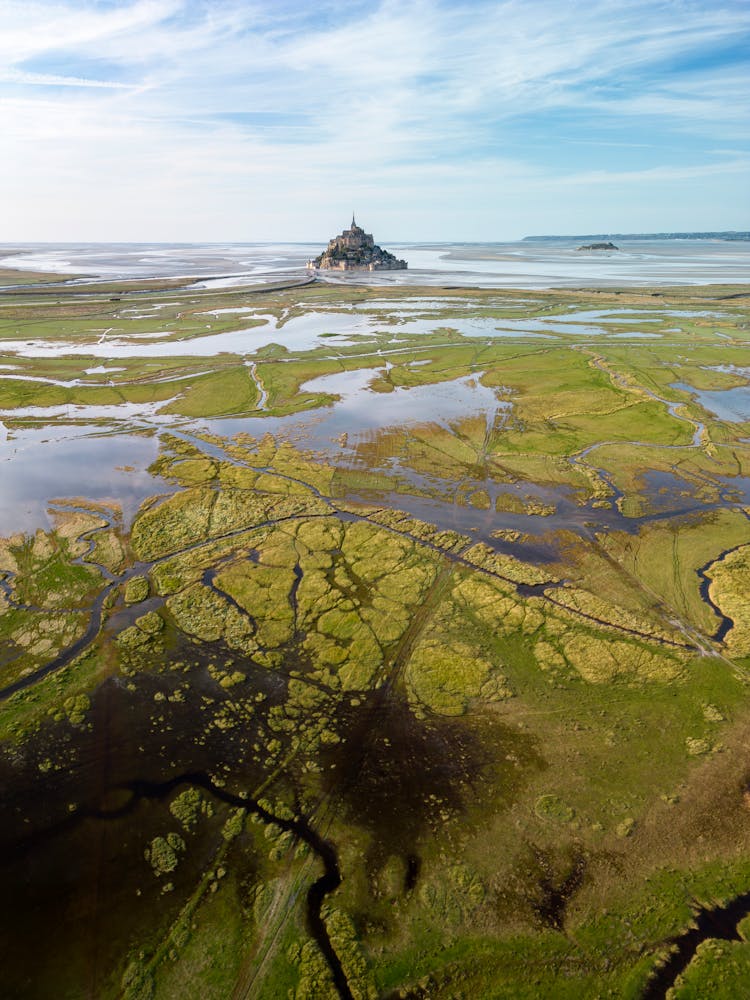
(384,642)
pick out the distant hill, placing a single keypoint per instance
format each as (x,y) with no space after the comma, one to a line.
(592,237)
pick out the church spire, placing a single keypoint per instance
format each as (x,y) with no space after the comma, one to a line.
(354,224)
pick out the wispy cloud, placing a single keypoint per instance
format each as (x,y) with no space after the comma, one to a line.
(235,118)
(29,29)
(55,80)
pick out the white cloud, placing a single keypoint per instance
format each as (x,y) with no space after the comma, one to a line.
(145,100)
(31,29)
(55,80)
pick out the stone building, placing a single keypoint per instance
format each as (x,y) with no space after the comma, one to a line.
(355,250)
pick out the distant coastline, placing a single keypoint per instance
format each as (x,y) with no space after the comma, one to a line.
(731,235)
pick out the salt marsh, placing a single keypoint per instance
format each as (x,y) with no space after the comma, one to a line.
(291,613)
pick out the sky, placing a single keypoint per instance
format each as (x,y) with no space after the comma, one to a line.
(436,120)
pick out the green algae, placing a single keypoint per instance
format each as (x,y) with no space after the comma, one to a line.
(189,806)
(136,590)
(443,677)
(162,853)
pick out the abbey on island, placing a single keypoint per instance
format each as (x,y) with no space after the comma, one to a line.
(355,250)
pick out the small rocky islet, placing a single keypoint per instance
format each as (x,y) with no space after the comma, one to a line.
(355,250)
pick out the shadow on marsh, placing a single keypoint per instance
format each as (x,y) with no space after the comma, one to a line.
(402,779)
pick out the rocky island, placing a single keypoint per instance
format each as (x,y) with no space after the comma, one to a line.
(355,250)
(599,246)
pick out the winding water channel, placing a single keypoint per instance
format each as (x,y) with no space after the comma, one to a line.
(717,922)
(298,826)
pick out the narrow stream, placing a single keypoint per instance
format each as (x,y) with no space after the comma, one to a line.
(95,610)
(718,922)
(725,622)
(259,387)
(298,826)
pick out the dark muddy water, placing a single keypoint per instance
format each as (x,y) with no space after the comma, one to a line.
(81,806)
(719,922)
(73,835)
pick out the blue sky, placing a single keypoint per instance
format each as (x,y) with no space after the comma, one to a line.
(217,120)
